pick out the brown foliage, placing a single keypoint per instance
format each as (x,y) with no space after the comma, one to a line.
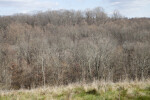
(61,47)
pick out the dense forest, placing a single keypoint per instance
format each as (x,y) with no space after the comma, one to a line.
(59,47)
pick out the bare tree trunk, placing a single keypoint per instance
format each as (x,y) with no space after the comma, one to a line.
(90,69)
(43,71)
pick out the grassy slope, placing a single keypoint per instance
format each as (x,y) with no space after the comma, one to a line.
(93,91)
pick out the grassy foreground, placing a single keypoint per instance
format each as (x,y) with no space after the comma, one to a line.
(93,91)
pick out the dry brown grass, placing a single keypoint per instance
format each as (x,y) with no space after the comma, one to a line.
(80,91)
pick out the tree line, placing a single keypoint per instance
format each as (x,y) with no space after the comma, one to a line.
(65,46)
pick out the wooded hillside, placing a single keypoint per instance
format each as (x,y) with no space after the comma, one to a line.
(62,47)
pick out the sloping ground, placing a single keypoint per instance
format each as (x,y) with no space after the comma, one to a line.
(94,91)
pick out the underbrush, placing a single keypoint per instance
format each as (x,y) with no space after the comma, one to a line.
(94,91)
